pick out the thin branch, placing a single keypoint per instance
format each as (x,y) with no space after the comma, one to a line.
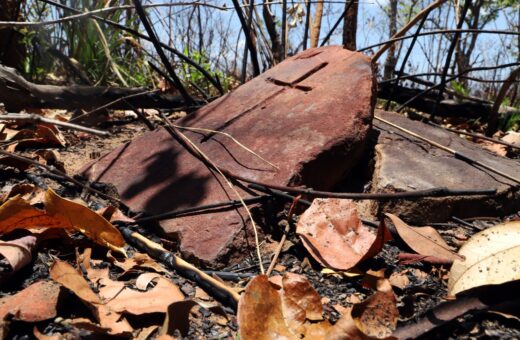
(183,57)
(61,174)
(431,88)
(405,29)
(166,63)
(200,209)
(477,136)
(249,38)
(38,118)
(434,32)
(451,49)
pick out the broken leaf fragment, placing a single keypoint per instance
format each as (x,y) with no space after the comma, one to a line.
(334,235)
(491,257)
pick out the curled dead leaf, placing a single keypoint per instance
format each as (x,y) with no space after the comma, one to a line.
(423,240)
(334,235)
(491,256)
(18,253)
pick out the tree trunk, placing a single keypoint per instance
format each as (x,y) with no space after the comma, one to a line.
(316,24)
(350,26)
(391,60)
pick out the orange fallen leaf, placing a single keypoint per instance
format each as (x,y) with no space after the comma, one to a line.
(84,220)
(335,236)
(423,240)
(65,274)
(59,212)
(17,213)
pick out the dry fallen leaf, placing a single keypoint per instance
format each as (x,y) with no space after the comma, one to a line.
(35,303)
(377,316)
(44,135)
(260,313)
(492,257)
(423,240)
(333,234)
(18,253)
(59,212)
(64,273)
(84,220)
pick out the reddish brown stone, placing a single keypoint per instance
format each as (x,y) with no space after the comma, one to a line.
(308,115)
(35,303)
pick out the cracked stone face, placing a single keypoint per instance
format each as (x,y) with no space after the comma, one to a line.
(404,163)
(309,115)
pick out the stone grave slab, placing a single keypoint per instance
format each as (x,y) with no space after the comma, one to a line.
(403,163)
(309,115)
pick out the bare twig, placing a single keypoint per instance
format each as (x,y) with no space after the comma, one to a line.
(284,236)
(214,287)
(406,28)
(199,209)
(166,63)
(493,115)
(434,32)
(449,54)
(61,174)
(197,152)
(249,38)
(478,136)
(38,118)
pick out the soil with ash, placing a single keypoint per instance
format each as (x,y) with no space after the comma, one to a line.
(424,285)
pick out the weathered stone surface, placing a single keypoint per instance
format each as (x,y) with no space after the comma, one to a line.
(404,163)
(308,115)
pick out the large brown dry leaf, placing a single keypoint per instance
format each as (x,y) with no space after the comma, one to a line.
(260,313)
(424,240)
(119,297)
(333,233)
(377,316)
(35,303)
(70,278)
(298,290)
(18,253)
(19,214)
(64,273)
(85,220)
(491,257)
(44,135)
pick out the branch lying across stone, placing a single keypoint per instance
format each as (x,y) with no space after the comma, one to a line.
(455,153)
(38,118)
